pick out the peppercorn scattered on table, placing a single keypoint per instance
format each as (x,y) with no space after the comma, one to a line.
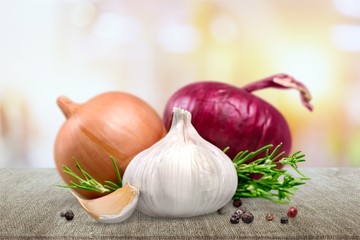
(328,207)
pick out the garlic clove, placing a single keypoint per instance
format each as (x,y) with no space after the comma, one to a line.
(114,207)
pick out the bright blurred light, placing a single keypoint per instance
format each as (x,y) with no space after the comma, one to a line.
(83,14)
(178,38)
(224,28)
(349,8)
(114,28)
(311,66)
(351,103)
(347,37)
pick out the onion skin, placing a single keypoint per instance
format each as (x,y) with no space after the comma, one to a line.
(114,124)
(228,116)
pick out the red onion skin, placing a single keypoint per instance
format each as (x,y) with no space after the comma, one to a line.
(232,117)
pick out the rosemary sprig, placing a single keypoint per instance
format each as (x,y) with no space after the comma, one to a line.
(275,184)
(87,182)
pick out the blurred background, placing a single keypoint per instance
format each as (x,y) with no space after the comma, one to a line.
(152,48)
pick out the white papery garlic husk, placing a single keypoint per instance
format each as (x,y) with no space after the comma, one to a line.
(182,175)
(114,207)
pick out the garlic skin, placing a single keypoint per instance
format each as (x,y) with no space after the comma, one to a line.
(182,175)
(114,207)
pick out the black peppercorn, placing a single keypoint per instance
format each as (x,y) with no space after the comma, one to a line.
(284,220)
(234,219)
(237,203)
(69,215)
(238,212)
(247,217)
(242,209)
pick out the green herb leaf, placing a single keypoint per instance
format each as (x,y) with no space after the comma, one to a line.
(87,182)
(275,184)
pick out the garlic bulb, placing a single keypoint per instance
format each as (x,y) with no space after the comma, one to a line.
(182,175)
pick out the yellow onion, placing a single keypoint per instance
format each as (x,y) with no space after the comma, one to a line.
(114,124)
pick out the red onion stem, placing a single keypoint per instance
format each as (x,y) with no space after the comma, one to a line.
(282,81)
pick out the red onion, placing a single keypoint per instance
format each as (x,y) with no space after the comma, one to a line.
(233,117)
